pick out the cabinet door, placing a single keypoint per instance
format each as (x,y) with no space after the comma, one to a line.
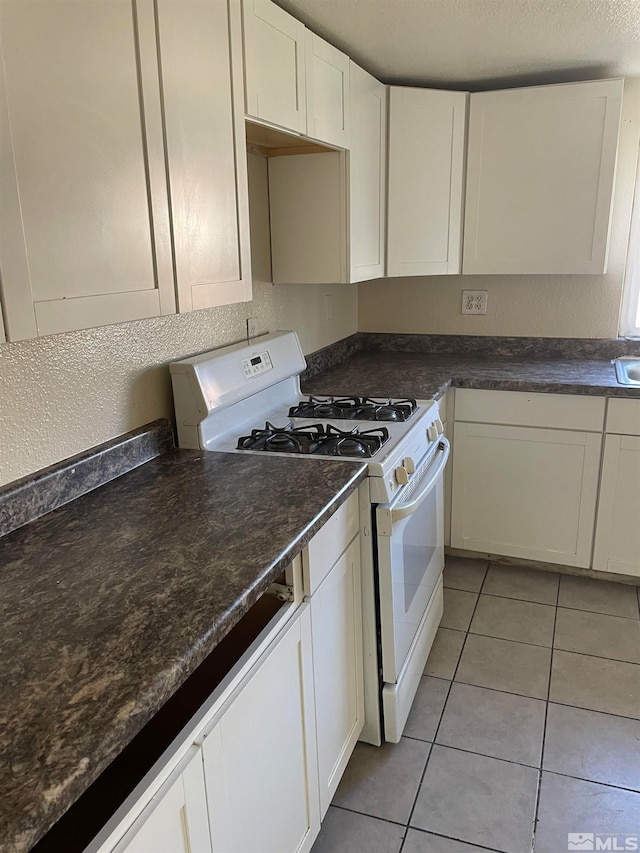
(274,65)
(176,820)
(426,164)
(523,492)
(327,91)
(260,759)
(336,623)
(367,174)
(84,222)
(617,547)
(540,172)
(206,150)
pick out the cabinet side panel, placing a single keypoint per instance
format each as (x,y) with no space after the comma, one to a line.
(307,207)
(367,170)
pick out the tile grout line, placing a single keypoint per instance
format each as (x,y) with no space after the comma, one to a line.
(544,728)
(520,764)
(539,699)
(557,648)
(452,838)
(435,734)
(546,603)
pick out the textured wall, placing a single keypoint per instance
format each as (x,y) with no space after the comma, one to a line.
(548,306)
(65,393)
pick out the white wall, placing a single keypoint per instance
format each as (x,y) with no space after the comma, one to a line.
(580,306)
(65,393)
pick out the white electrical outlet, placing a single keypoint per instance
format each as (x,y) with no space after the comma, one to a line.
(252,327)
(474,301)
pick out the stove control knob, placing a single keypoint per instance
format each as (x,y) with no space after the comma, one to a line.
(409,464)
(402,475)
(432,432)
(439,426)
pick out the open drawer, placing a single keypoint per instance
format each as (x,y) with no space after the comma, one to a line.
(102,815)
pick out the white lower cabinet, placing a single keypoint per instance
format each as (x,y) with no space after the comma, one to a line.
(260,757)
(617,546)
(525,492)
(175,821)
(336,630)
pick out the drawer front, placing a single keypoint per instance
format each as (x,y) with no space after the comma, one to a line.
(623,417)
(558,411)
(324,550)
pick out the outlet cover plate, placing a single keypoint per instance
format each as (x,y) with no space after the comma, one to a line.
(474,301)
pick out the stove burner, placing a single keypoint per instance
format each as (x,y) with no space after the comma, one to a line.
(315,439)
(286,439)
(354,408)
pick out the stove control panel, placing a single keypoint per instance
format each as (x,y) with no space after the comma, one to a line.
(257,364)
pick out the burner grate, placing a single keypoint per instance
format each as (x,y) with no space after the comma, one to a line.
(354,408)
(315,439)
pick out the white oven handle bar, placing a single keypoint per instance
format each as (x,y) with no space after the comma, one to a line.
(409,508)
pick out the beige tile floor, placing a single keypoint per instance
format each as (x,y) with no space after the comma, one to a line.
(526,726)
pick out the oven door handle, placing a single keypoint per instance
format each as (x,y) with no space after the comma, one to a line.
(407,509)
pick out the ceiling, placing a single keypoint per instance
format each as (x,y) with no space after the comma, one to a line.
(479,44)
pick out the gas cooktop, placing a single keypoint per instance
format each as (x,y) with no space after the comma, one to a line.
(354,409)
(318,439)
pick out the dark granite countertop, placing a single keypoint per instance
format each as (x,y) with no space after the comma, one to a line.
(427,376)
(110,602)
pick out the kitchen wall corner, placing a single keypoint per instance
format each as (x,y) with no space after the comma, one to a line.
(564,306)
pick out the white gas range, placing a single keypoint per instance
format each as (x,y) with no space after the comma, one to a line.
(246,398)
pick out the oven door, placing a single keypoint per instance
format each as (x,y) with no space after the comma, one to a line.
(410,541)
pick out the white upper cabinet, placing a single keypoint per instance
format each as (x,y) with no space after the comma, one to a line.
(426,167)
(540,173)
(88,232)
(274,57)
(293,78)
(206,151)
(367,175)
(84,220)
(327,92)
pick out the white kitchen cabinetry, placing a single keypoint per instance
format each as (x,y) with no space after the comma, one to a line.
(88,234)
(617,545)
(308,215)
(274,65)
(336,622)
(175,821)
(540,174)
(367,175)
(84,220)
(308,200)
(260,757)
(426,169)
(293,78)
(525,491)
(206,151)
(327,92)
